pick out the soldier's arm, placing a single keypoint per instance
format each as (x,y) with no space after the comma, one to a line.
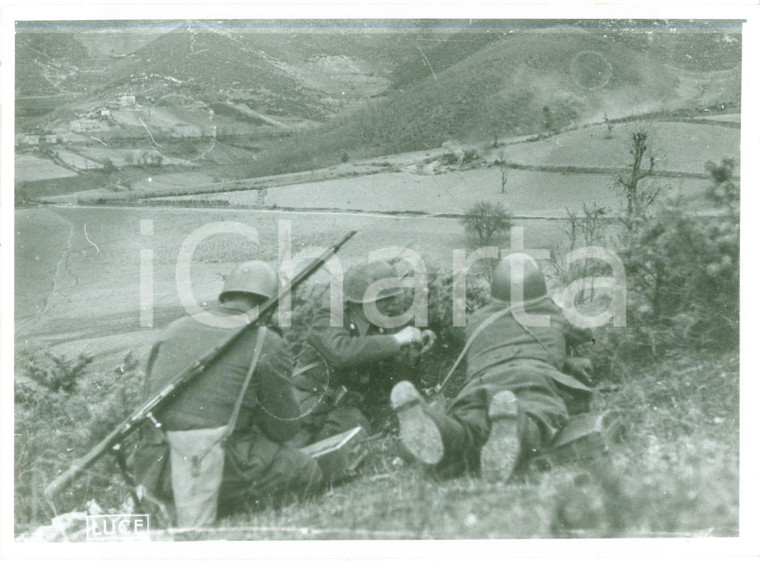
(277,412)
(343,350)
(575,336)
(581,368)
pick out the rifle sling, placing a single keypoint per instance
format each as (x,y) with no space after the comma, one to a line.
(260,336)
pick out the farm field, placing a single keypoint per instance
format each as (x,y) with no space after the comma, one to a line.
(528,193)
(84,293)
(30,168)
(102,253)
(98,267)
(564,172)
(677,147)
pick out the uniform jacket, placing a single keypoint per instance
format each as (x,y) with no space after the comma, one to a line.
(355,351)
(209,399)
(507,341)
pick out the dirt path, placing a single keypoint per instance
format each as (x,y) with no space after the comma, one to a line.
(43,246)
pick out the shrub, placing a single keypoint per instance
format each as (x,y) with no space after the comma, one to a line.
(485,220)
(55,372)
(57,421)
(471,155)
(683,270)
(724,191)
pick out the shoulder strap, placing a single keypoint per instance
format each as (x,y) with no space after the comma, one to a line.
(485,324)
(260,336)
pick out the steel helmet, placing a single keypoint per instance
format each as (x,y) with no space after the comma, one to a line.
(360,276)
(522,269)
(254,277)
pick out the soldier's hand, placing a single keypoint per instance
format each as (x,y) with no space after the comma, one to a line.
(409,335)
(582,368)
(428,340)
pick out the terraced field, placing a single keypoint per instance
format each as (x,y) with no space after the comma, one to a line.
(96,274)
(30,168)
(677,147)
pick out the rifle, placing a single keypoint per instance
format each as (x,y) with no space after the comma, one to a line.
(160,399)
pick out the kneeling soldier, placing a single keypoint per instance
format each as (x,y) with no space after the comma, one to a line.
(257,465)
(516,397)
(363,360)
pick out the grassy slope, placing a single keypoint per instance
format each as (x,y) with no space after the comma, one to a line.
(44,60)
(501,90)
(676,472)
(678,147)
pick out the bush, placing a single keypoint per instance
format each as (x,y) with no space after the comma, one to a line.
(58,421)
(684,274)
(683,271)
(485,220)
(54,372)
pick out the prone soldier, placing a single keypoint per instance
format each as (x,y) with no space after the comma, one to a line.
(516,397)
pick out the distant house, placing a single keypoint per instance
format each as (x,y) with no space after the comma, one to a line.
(86,125)
(127,100)
(30,140)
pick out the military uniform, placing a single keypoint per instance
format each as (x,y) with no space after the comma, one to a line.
(258,464)
(507,356)
(362,363)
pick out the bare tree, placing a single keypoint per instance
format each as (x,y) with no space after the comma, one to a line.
(610,126)
(637,199)
(501,162)
(504,170)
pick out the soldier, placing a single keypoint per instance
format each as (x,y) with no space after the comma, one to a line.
(257,465)
(363,360)
(515,398)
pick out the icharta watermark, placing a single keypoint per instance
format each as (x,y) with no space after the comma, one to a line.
(614,285)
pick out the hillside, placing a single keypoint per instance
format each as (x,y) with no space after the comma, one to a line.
(531,83)
(44,61)
(304,95)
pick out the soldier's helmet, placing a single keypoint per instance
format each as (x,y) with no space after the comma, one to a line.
(360,276)
(522,269)
(254,277)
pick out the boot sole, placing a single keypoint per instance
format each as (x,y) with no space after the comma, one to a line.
(418,433)
(501,452)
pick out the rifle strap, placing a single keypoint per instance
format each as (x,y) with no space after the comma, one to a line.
(485,324)
(258,347)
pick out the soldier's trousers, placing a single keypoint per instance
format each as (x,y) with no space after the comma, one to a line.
(465,425)
(260,472)
(329,423)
